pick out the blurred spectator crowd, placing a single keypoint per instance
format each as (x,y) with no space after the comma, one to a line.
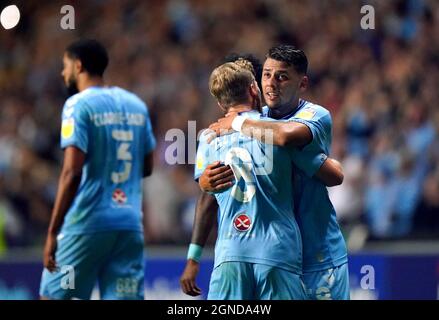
(380,86)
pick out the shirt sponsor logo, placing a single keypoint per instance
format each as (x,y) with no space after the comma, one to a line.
(119,196)
(242,222)
(200,162)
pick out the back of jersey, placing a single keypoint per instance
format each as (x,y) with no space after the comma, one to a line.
(112,127)
(256,222)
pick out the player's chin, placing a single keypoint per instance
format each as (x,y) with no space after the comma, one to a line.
(271,102)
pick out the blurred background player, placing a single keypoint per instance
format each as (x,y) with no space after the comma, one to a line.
(284,79)
(96,225)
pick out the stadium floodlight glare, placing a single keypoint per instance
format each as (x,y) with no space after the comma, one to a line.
(10,17)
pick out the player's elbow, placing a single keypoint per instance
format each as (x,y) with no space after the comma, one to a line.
(148,164)
(340,179)
(285,137)
(336,180)
(338,176)
(147,171)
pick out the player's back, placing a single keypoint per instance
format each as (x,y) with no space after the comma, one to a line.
(256,222)
(112,126)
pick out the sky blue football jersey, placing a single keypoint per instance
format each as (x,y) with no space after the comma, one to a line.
(323,243)
(256,222)
(112,126)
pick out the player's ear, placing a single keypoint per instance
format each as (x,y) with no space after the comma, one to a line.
(77,65)
(254,90)
(303,85)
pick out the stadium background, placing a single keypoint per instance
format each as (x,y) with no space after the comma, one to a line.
(380,86)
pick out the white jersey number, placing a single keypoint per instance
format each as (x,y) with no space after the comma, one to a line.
(241,163)
(123,154)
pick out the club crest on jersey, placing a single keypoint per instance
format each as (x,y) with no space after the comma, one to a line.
(242,222)
(119,196)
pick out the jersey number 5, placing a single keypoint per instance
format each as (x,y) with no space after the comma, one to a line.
(123,154)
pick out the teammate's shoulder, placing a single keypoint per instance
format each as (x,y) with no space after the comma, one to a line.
(252,113)
(312,110)
(206,135)
(133,97)
(315,106)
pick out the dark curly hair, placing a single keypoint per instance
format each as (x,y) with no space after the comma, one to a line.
(91,53)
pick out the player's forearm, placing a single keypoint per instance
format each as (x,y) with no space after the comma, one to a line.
(331,173)
(68,186)
(205,218)
(277,133)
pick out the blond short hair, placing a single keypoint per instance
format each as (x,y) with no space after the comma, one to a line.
(229,83)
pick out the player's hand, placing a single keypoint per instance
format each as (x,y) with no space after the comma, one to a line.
(223,126)
(187,280)
(216,178)
(49,252)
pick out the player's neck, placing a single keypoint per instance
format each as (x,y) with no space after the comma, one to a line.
(282,111)
(88,82)
(241,108)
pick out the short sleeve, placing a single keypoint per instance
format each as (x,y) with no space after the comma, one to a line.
(75,125)
(318,120)
(308,161)
(312,156)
